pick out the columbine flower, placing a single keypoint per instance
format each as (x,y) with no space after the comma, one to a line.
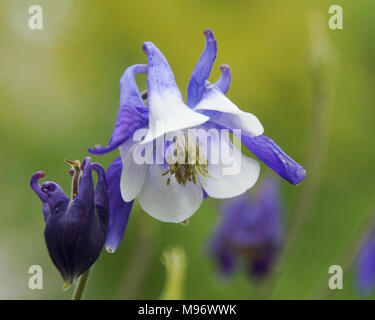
(250,232)
(76,229)
(169,192)
(366,264)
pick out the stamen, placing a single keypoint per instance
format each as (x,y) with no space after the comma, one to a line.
(189,164)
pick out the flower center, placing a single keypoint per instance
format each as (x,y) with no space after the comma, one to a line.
(186,163)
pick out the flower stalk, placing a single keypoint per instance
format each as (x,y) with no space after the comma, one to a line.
(174,260)
(80,286)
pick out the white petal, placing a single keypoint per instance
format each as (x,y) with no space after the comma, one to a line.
(230,178)
(168,203)
(132,174)
(169,113)
(224,112)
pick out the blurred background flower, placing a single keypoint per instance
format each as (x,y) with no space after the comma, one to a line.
(250,231)
(365,269)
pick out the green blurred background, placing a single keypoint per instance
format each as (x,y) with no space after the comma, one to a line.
(59,95)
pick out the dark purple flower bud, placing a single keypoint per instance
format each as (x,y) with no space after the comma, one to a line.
(76,229)
(365,272)
(250,232)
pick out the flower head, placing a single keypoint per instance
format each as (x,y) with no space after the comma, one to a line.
(180,170)
(75,229)
(250,231)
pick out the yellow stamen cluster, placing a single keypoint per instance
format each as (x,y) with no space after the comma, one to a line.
(189,167)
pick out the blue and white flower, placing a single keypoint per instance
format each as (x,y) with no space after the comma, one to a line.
(169,192)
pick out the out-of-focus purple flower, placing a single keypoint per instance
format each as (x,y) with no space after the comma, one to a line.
(75,230)
(207,107)
(250,231)
(365,272)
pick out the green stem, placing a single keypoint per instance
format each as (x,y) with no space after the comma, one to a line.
(306,197)
(321,95)
(140,260)
(80,286)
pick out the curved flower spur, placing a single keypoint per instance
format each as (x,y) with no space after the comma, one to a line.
(76,229)
(168,192)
